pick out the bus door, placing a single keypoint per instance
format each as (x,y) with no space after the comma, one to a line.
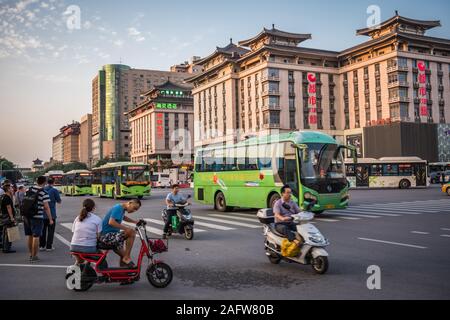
(362,175)
(421,175)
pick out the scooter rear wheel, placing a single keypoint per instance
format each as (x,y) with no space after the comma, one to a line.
(159,275)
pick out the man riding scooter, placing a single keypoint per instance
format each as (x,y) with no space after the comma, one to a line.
(115,234)
(172,200)
(283,210)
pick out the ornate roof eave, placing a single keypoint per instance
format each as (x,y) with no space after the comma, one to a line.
(426,24)
(209,71)
(367,44)
(292,51)
(277,33)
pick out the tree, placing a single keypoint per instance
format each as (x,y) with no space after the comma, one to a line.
(8,170)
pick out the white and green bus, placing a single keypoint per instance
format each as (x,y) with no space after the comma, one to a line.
(388,172)
(251,173)
(121,180)
(77,183)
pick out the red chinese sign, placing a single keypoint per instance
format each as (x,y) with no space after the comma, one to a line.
(160,125)
(312,100)
(422,94)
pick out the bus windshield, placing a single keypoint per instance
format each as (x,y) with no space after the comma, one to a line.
(58,179)
(136,174)
(83,180)
(322,161)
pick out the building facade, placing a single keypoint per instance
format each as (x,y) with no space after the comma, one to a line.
(269,83)
(71,141)
(58,148)
(163,123)
(116,90)
(85,147)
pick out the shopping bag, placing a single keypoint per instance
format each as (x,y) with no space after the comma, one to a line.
(289,249)
(13,234)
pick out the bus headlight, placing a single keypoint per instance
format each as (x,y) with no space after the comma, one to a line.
(309,196)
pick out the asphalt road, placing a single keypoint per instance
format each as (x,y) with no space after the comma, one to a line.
(406,233)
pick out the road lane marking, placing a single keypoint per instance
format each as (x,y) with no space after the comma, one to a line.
(445,229)
(370,211)
(149,229)
(420,232)
(244,215)
(162,223)
(325,220)
(33,266)
(235,218)
(392,210)
(229,222)
(338,213)
(62,239)
(445,235)
(393,243)
(350,218)
(213,226)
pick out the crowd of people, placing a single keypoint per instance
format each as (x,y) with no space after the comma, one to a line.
(40,226)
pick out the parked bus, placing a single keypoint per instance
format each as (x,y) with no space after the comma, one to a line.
(122,180)
(400,172)
(160,180)
(435,171)
(58,177)
(251,173)
(77,183)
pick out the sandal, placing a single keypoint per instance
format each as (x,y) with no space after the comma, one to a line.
(130,264)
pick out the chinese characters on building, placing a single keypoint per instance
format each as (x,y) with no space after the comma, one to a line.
(312,100)
(422,79)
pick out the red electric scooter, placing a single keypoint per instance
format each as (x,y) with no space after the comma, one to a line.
(158,273)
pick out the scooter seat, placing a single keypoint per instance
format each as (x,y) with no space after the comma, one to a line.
(275,232)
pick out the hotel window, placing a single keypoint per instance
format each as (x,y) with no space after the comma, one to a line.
(291,76)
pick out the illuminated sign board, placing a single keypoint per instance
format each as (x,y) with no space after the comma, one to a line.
(159,126)
(312,100)
(422,94)
(172,106)
(172,92)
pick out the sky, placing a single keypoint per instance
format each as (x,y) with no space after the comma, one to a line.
(49,53)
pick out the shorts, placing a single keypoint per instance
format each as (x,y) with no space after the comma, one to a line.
(33,227)
(113,239)
(83,249)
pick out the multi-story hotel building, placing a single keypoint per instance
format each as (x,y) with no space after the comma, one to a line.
(163,123)
(361,93)
(85,140)
(116,90)
(71,141)
(57,148)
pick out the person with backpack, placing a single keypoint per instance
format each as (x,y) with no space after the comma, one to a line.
(34,206)
(48,233)
(7,216)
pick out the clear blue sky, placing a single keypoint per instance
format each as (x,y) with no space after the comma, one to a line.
(46,69)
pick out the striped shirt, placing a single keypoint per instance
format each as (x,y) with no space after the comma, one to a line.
(43,197)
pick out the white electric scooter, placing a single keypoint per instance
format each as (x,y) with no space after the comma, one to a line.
(312,250)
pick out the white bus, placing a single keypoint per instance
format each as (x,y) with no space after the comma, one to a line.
(57,176)
(160,180)
(389,172)
(436,169)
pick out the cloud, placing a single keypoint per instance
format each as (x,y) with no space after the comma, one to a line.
(136,34)
(118,43)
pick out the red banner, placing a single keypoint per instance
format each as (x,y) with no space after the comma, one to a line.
(312,99)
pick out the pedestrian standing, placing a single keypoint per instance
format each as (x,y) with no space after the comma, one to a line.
(35,206)
(48,232)
(7,216)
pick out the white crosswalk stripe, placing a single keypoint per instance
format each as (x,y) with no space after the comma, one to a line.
(236,223)
(232,217)
(161,223)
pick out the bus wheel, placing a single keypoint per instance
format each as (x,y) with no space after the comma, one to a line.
(405,184)
(220,203)
(273,198)
(140,197)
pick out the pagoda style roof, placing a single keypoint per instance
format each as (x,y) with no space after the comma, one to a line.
(37,161)
(397,19)
(168,85)
(230,50)
(298,37)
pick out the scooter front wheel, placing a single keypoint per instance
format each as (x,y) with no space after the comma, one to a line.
(189,233)
(320,265)
(159,275)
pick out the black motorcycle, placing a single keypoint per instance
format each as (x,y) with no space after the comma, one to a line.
(183,222)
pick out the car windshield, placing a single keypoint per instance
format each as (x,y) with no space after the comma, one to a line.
(136,174)
(320,161)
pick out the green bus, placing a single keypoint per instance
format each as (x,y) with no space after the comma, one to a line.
(250,174)
(77,183)
(122,180)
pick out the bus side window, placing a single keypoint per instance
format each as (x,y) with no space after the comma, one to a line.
(376,170)
(241,158)
(350,170)
(390,169)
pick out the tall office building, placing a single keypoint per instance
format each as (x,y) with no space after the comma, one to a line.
(57,148)
(71,136)
(115,90)
(386,95)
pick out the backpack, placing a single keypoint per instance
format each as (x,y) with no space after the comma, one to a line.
(30,204)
